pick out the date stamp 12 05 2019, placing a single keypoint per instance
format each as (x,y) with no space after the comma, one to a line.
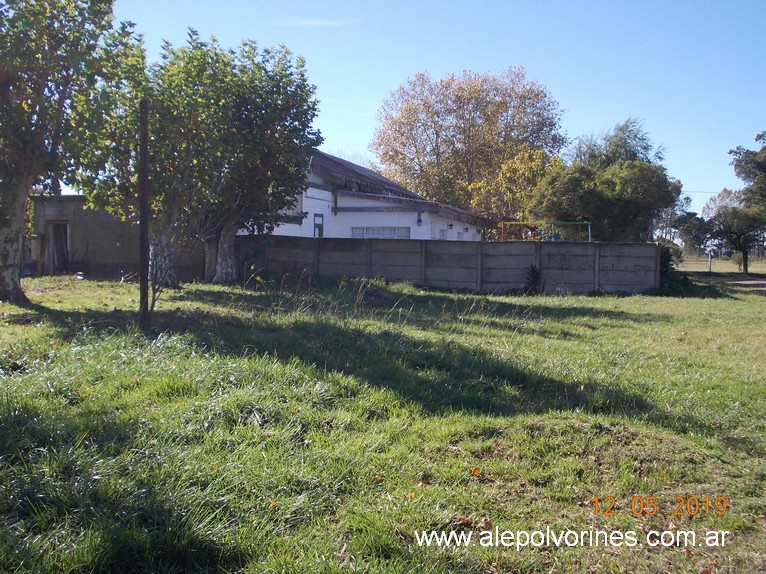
(647,505)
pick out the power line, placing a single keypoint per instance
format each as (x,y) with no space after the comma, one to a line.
(703,192)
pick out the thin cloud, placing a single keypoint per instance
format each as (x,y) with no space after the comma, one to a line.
(320,23)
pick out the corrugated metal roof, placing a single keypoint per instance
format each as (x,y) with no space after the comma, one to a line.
(342,169)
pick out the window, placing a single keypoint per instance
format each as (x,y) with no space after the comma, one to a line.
(442,234)
(318,225)
(380,232)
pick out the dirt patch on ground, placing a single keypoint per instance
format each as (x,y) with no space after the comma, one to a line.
(737,282)
(754,283)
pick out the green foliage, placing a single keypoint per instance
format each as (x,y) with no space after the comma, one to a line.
(534,285)
(740,228)
(693,230)
(273,108)
(670,256)
(628,141)
(611,183)
(54,54)
(507,198)
(750,167)
(230,140)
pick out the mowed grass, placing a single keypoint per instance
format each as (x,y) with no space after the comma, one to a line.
(696,263)
(317,428)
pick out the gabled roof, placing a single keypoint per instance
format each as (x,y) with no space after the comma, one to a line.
(351,179)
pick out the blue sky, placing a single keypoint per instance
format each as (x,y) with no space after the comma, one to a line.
(694,72)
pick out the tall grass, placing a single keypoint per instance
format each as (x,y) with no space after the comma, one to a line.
(314,428)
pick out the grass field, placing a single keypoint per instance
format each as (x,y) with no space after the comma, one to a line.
(700,264)
(318,428)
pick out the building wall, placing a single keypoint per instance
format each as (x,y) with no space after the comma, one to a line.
(319,202)
(566,267)
(98,244)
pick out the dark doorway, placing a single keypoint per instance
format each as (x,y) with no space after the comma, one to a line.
(58,247)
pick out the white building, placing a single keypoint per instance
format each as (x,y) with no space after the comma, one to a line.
(346,200)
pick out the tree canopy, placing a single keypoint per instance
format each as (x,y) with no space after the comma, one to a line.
(750,167)
(230,143)
(732,221)
(738,217)
(271,140)
(53,54)
(616,182)
(449,138)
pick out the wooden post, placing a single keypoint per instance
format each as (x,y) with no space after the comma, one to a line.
(143,214)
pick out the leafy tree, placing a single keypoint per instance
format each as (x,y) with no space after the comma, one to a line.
(52,54)
(188,124)
(750,167)
(566,193)
(693,230)
(506,198)
(270,146)
(616,183)
(664,221)
(633,193)
(737,225)
(230,143)
(627,141)
(440,138)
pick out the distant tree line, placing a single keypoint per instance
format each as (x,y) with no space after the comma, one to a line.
(493,144)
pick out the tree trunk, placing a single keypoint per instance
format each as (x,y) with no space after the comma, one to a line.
(210,246)
(162,258)
(12,211)
(226,264)
(744,260)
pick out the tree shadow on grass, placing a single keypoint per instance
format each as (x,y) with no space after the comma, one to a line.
(353,298)
(440,374)
(693,285)
(51,490)
(443,375)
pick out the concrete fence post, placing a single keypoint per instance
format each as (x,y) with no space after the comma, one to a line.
(538,256)
(479,267)
(315,267)
(596,266)
(657,264)
(368,258)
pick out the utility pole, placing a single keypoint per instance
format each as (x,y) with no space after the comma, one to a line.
(144,318)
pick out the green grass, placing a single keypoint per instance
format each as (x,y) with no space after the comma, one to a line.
(315,428)
(699,264)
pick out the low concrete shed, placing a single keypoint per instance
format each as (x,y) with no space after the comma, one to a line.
(71,238)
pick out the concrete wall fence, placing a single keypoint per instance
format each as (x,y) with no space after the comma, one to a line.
(70,238)
(566,267)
